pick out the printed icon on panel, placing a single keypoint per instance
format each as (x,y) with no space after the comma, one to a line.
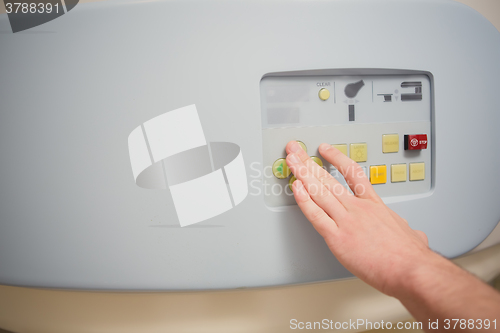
(389,97)
(417,96)
(205,179)
(351,90)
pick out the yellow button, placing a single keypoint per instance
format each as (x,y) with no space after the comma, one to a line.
(324,94)
(390,143)
(290,182)
(398,173)
(280,169)
(317,160)
(359,152)
(342,148)
(417,171)
(378,174)
(302,144)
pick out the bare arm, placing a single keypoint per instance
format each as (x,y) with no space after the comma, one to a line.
(442,291)
(378,246)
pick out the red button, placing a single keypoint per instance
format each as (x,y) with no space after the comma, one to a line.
(415,141)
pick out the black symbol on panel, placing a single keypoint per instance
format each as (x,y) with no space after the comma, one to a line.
(351,90)
(390,97)
(351,112)
(417,96)
(387,97)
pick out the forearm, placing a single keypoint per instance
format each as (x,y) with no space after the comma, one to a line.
(380,247)
(439,290)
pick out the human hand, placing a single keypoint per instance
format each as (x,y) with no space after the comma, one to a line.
(367,237)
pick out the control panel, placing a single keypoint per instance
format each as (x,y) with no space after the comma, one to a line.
(382,121)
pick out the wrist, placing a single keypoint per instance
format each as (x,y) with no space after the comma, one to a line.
(418,276)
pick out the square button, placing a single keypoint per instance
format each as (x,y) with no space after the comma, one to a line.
(378,174)
(359,152)
(415,141)
(342,148)
(390,143)
(398,173)
(417,171)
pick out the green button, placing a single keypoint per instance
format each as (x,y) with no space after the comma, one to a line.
(280,169)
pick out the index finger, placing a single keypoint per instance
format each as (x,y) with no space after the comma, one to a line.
(337,189)
(352,172)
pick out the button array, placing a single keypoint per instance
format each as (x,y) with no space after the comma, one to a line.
(358,152)
(378,173)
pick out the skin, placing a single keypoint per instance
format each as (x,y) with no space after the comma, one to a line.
(379,246)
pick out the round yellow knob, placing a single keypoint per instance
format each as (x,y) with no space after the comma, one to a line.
(324,94)
(317,160)
(280,169)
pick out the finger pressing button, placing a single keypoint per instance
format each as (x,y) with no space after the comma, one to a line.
(302,145)
(290,182)
(341,147)
(317,160)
